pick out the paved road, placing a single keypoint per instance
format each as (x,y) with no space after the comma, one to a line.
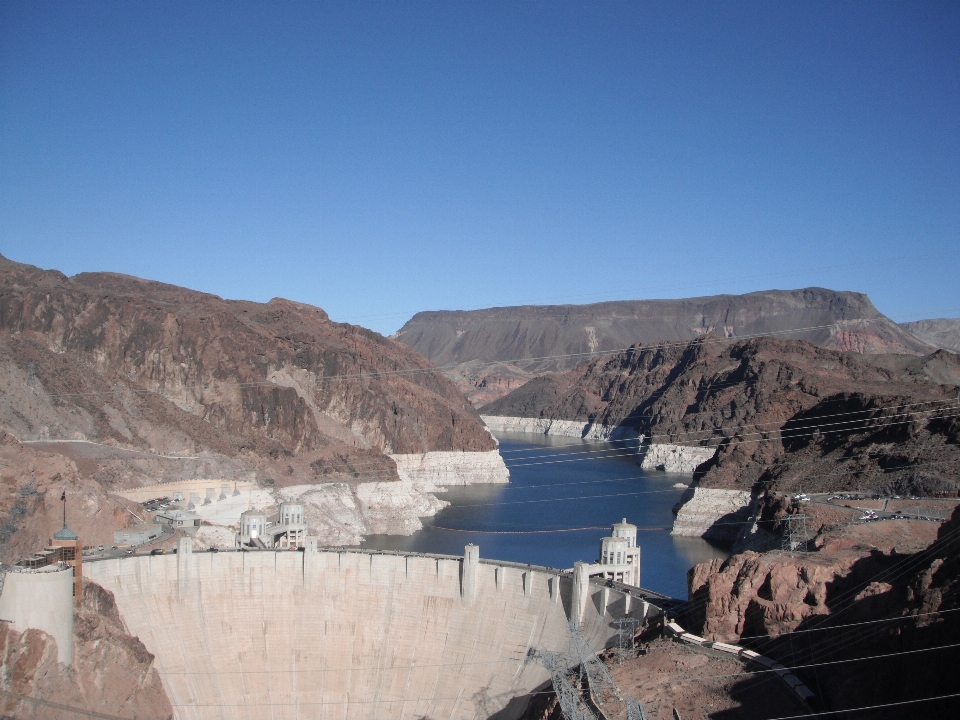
(110,552)
(881,512)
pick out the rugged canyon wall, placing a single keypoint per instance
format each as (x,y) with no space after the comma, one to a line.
(868,590)
(110,671)
(488,353)
(110,382)
(762,413)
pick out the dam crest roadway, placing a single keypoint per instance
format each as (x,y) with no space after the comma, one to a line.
(335,633)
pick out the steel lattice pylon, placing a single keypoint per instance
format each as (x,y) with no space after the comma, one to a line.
(568,695)
(626,630)
(601,684)
(794,538)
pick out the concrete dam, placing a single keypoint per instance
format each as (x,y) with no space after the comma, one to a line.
(329,633)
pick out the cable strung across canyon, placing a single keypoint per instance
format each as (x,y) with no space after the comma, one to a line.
(534,532)
(604,453)
(607,451)
(899,618)
(433,369)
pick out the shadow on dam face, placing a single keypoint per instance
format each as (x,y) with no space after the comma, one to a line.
(345,634)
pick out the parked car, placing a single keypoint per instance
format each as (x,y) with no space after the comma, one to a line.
(158,551)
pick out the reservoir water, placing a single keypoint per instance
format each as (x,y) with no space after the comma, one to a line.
(562,498)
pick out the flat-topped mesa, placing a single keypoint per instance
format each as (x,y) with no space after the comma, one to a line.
(490,352)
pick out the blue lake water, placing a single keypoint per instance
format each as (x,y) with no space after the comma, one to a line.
(562,498)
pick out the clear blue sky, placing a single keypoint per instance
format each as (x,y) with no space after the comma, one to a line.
(377,159)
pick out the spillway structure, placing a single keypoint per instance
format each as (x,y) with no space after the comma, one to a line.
(336,633)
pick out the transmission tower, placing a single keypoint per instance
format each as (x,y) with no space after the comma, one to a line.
(794,538)
(598,676)
(635,709)
(626,630)
(600,683)
(568,695)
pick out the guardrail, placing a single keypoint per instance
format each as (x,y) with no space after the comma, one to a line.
(790,680)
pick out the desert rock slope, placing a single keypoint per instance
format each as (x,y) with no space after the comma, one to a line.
(110,382)
(943,333)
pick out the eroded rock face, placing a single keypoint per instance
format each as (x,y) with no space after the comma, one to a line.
(853,599)
(761,594)
(274,377)
(759,404)
(111,669)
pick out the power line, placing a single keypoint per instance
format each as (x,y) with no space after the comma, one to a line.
(608,452)
(673,436)
(948,403)
(740,437)
(767,671)
(868,707)
(908,564)
(899,618)
(441,698)
(728,441)
(71,708)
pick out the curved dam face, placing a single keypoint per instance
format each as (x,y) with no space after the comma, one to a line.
(342,634)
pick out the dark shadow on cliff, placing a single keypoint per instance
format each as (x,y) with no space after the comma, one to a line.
(540,704)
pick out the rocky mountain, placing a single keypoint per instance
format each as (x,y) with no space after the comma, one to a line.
(490,352)
(942,333)
(109,381)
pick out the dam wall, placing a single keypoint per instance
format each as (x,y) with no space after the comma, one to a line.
(349,634)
